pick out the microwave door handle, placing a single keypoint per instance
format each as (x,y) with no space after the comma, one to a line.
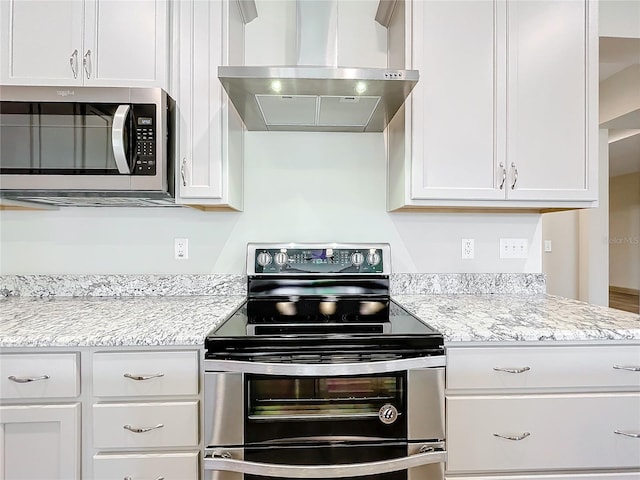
(117,139)
(222,461)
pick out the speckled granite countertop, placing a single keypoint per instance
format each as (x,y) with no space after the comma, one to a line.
(504,318)
(167,310)
(109,321)
(186,320)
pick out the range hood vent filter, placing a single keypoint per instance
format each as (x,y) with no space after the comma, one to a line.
(317,111)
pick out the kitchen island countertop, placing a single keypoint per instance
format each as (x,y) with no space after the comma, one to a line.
(186,320)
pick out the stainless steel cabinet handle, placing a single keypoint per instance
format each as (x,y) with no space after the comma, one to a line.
(118,139)
(627,434)
(143,377)
(514,438)
(515,175)
(183,172)
(73,61)
(512,370)
(223,462)
(504,175)
(86,63)
(13,378)
(144,429)
(627,367)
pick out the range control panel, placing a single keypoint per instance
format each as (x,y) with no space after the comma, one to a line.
(353,259)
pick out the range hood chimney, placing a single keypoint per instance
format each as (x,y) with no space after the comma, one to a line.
(316,94)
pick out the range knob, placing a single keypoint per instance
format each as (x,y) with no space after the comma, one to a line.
(263,259)
(373,258)
(281,258)
(357,259)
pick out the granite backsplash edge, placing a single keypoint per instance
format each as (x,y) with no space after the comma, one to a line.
(110,285)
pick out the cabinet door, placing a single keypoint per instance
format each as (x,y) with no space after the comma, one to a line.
(125,43)
(552,100)
(41,42)
(543,432)
(456,140)
(40,441)
(210,132)
(169,466)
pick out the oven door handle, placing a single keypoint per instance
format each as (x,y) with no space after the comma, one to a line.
(222,461)
(327,369)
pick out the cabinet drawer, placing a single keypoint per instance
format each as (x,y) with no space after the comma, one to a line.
(52,375)
(564,476)
(543,367)
(145,373)
(139,425)
(556,431)
(169,466)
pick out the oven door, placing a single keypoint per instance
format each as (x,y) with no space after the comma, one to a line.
(361,461)
(367,420)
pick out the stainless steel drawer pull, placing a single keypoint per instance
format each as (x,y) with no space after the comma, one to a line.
(627,434)
(510,437)
(142,430)
(143,377)
(627,367)
(27,379)
(512,370)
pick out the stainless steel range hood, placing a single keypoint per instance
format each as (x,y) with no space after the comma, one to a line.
(316,94)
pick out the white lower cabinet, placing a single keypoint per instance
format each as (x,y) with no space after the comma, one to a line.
(544,411)
(543,432)
(39,442)
(145,414)
(169,466)
(40,416)
(583,476)
(145,425)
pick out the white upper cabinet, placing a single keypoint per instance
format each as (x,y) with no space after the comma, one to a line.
(505,112)
(210,139)
(84,42)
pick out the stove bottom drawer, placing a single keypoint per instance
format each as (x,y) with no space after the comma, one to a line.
(424,461)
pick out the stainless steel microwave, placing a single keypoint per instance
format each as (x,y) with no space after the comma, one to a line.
(85,145)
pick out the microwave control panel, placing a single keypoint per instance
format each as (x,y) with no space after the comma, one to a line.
(144,129)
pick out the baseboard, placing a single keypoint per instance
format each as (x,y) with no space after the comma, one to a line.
(626,291)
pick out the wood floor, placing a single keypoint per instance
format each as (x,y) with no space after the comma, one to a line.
(624,299)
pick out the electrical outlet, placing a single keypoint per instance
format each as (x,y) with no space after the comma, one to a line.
(181,248)
(514,248)
(467,248)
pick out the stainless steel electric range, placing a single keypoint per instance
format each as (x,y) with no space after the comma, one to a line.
(320,374)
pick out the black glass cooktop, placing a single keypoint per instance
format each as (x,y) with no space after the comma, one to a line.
(316,330)
(321,303)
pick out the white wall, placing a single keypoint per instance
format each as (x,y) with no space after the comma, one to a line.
(624,231)
(298,187)
(619,18)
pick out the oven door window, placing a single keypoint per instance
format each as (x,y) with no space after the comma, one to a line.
(352,407)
